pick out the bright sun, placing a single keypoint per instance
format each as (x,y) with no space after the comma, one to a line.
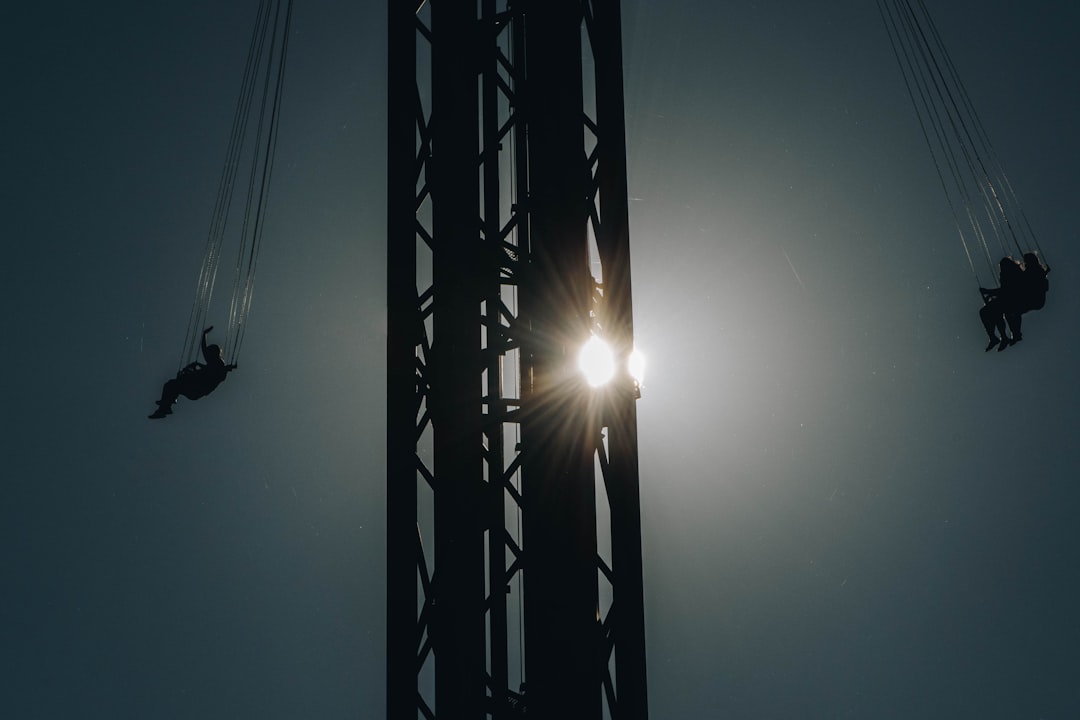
(597,363)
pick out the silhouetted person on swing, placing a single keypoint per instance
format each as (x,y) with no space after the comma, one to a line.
(195,380)
(1001,301)
(1030,294)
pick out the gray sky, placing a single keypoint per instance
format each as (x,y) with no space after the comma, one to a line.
(849,509)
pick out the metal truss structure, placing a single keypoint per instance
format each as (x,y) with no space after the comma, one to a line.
(514,574)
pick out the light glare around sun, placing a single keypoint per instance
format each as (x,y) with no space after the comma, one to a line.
(636,366)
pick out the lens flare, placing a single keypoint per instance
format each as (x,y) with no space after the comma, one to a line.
(636,366)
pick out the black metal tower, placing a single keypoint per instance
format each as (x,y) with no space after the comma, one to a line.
(514,576)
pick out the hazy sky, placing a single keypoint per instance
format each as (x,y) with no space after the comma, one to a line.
(849,509)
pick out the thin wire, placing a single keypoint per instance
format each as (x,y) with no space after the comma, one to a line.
(906,68)
(949,121)
(983,176)
(999,176)
(945,108)
(207,277)
(267,174)
(238,266)
(247,231)
(258,60)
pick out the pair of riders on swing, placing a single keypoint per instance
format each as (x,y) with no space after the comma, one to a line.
(1022,289)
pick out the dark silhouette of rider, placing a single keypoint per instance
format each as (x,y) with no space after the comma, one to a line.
(1036,284)
(1001,301)
(196,380)
(1030,293)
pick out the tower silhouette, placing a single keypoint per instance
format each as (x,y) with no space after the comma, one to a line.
(514,573)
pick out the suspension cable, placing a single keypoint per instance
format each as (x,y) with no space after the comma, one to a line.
(262,55)
(204,285)
(976,187)
(242,295)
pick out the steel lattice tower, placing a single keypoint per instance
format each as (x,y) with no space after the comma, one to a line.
(513,512)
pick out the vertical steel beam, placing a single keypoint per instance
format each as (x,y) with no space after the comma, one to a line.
(562,659)
(459,632)
(495,347)
(621,476)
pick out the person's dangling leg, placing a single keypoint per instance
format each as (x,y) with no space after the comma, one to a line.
(1014,320)
(987,314)
(169,392)
(999,324)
